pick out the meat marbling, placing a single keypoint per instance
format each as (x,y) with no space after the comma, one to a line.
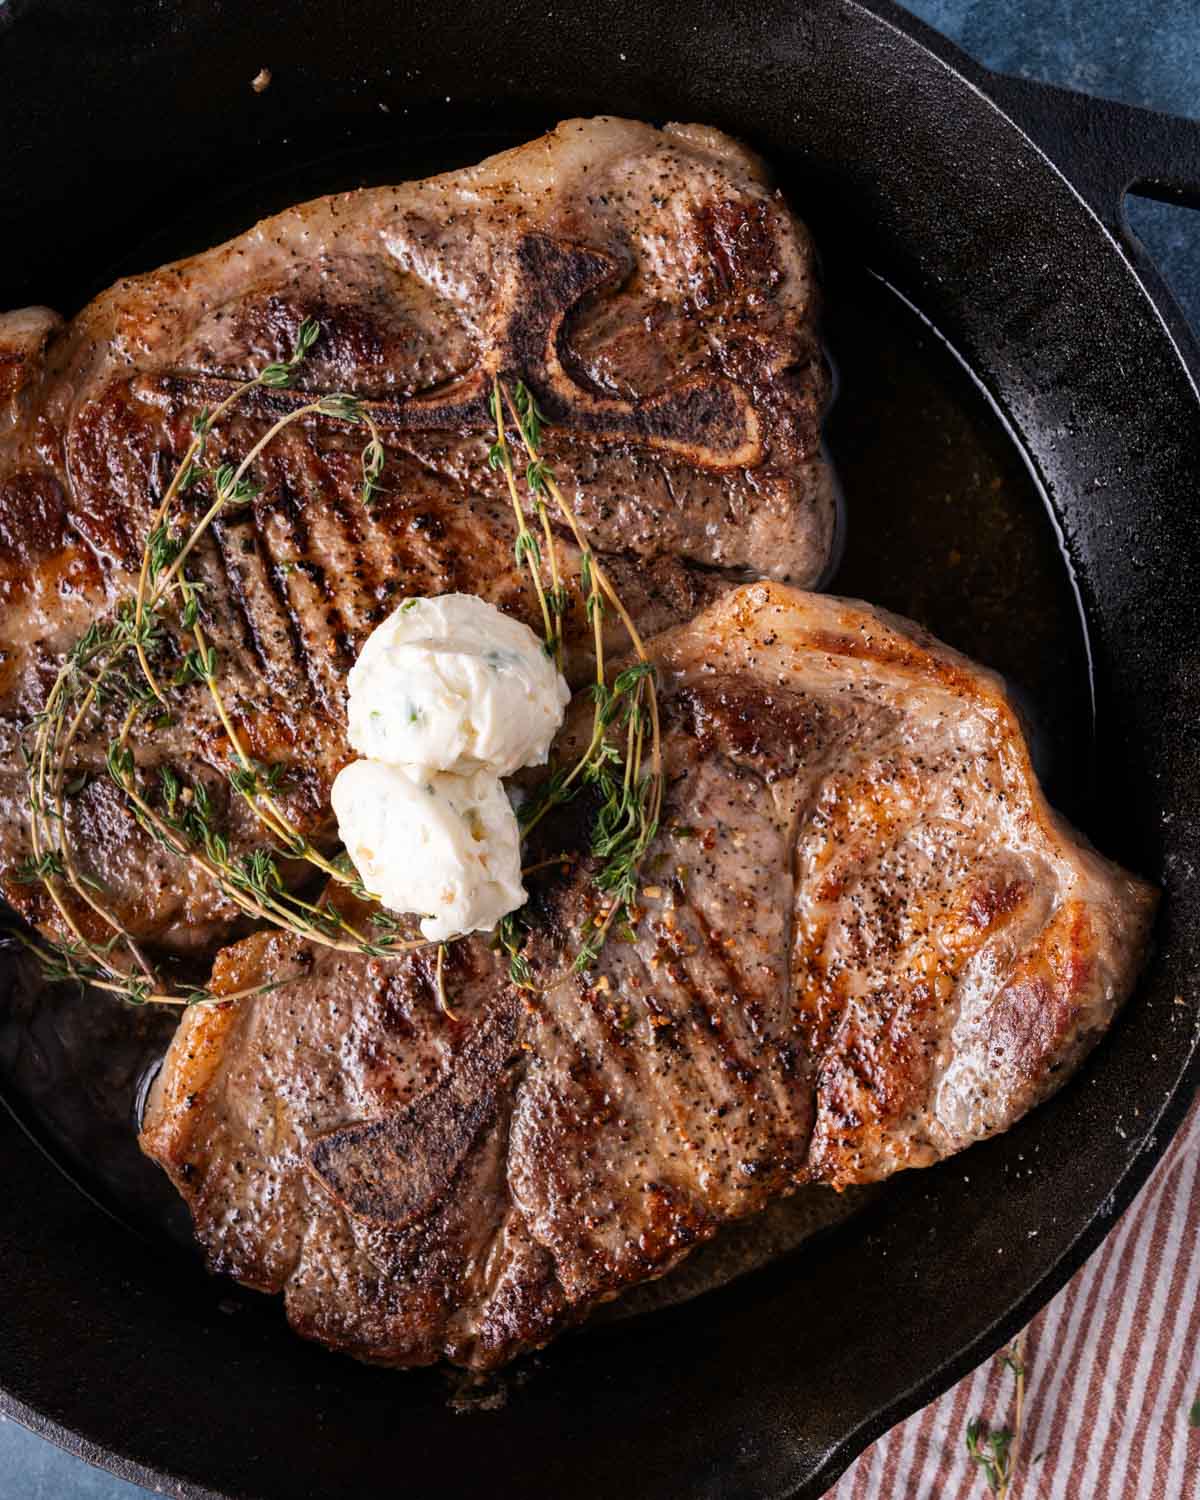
(865,941)
(647,284)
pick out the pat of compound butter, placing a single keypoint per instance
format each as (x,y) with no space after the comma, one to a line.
(453,684)
(444,846)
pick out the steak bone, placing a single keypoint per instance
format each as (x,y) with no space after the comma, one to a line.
(394,1171)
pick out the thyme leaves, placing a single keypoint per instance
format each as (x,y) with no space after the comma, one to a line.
(622,761)
(154,647)
(995,1450)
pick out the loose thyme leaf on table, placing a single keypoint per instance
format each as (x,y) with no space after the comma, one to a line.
(991,1450)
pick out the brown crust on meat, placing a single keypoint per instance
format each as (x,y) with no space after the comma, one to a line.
(864,942)
(393,1171)
(647,286)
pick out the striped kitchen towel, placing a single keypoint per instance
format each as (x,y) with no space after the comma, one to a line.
(1113,1372)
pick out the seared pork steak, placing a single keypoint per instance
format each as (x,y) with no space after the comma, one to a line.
(647,285)
(864,941)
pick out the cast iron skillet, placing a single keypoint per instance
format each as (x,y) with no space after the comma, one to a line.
(996,207)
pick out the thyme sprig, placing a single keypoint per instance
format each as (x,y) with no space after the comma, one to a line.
(995,1450)
(625,719)
(93,673)
(156,644)
(119,663)
(66,963)
(527,551)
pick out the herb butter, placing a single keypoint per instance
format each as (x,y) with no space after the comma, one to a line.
(441,845)
(453,684)
(447,696)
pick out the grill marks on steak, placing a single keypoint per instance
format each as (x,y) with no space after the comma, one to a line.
(292,587)
(864,943)
(648,285)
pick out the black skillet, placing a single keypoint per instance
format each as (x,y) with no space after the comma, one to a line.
(995,208)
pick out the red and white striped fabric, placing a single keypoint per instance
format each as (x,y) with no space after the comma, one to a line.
(1113,1369)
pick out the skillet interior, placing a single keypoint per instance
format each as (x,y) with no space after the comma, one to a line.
(948,526)
(773,1383)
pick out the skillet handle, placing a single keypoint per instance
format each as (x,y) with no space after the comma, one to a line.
(1106,148)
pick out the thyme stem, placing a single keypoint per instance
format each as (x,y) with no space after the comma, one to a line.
(201,429)
(632,805)
(527,549)
(95,670)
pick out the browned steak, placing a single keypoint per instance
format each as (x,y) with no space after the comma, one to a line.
(864,942)
(647,284)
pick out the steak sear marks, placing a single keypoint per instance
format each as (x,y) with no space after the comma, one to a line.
(863,942)
(685,458)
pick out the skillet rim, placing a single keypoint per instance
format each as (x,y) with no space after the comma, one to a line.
(1004,95)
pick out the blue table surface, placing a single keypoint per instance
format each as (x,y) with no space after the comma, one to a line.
(1142,51)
